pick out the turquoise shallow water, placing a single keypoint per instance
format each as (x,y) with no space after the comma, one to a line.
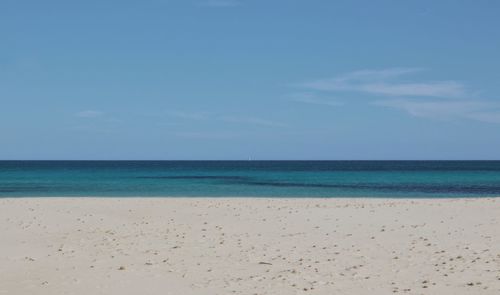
(251,178)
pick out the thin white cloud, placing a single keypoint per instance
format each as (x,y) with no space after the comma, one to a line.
(310,98)
(252,121)
(189,115)
(220,3)
(377,75)
(199,116)
(432,99)
(387,82)
(203,135)
(486,116)
(447,109)
(450,89)
(89,114)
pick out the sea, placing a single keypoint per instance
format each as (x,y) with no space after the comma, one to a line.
(282,179)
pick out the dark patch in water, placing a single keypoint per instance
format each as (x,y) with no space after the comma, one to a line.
(18,189)
(421,188)
(217,177)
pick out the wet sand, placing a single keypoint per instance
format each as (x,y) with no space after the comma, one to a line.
(249,246)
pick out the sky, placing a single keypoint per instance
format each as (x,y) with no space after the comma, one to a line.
(239,79)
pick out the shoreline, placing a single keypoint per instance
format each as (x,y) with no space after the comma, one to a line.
(249,245)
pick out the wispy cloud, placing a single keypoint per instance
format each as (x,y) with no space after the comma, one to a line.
(484,111)
(446,99)
(486,116)
(89,114)
(244,119)
(252,121)
(189,115)
(220,3)
(310,98)
(203,135)
(388,82)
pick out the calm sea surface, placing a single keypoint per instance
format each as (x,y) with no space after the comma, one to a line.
(251,178)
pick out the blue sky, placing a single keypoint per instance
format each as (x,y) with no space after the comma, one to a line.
(232,79)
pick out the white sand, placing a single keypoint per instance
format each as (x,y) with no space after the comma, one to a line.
(249,246)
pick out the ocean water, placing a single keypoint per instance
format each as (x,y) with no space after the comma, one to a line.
(427,179)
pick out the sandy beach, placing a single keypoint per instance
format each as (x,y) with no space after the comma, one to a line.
(249,246)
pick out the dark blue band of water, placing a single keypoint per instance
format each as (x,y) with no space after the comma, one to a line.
(251,178)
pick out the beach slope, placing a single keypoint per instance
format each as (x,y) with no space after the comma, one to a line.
(249,246)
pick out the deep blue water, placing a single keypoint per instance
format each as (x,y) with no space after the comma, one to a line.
(251,178)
